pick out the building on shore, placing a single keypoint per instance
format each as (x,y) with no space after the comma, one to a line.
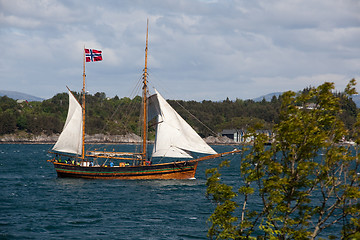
(241,135)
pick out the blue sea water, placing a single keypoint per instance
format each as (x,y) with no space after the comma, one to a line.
(36,204)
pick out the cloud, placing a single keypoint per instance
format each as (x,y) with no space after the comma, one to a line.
(199,49)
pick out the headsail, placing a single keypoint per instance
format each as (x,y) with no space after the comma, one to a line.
(174,136)
(70,139)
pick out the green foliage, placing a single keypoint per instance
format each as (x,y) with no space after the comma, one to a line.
(7,121)
(7,103)
(222,194)
(104,115)
(306,160)
(121,115)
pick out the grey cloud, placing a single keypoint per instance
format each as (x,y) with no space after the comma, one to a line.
(204,49)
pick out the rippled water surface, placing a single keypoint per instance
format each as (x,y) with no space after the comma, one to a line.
(35,204)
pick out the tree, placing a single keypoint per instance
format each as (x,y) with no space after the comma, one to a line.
(7,122)
(306,181)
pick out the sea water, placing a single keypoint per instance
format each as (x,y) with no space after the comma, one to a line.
(36,204)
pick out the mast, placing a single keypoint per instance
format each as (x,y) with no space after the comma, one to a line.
(145,99)
(83,112)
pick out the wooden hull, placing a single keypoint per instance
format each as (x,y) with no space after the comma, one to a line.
(172,170)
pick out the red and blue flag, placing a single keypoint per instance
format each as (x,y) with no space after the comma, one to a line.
(92,55)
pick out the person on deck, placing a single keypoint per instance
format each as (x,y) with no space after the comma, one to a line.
(148,162)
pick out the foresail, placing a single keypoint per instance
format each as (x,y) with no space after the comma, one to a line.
(70,139)
(174,136)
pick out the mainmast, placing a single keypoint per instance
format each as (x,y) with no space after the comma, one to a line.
(145,99)
(83,113)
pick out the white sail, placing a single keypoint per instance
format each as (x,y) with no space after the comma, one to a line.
(70,139)
(174,136)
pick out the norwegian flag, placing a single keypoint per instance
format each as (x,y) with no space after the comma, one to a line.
(92,55)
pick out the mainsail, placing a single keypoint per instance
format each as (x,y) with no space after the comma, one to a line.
(70,139)
(174,136)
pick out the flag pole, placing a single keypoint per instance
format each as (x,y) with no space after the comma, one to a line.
(83,111)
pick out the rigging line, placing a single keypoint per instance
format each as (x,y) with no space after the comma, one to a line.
(165,90)
(140,130)
(212,131)
(137,87)
(163,87)
(160,84)
(192,115)
(130,106)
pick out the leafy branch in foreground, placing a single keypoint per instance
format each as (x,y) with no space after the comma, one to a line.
(305,183)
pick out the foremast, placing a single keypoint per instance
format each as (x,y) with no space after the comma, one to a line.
(144,97)
(83,112)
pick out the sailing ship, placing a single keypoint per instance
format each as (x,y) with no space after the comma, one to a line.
(175,139)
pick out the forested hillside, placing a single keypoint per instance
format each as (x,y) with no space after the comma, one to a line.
(117,116)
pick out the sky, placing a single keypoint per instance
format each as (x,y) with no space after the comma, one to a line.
(198,49)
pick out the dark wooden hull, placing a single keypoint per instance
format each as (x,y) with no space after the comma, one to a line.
(172,170)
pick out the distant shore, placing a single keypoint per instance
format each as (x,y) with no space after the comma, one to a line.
(131,138)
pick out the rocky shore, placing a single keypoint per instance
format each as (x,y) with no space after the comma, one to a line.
(26,138)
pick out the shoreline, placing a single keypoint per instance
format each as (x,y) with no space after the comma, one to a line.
(97,139)
(106,143)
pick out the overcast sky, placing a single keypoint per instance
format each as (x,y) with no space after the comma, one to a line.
(198,49)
